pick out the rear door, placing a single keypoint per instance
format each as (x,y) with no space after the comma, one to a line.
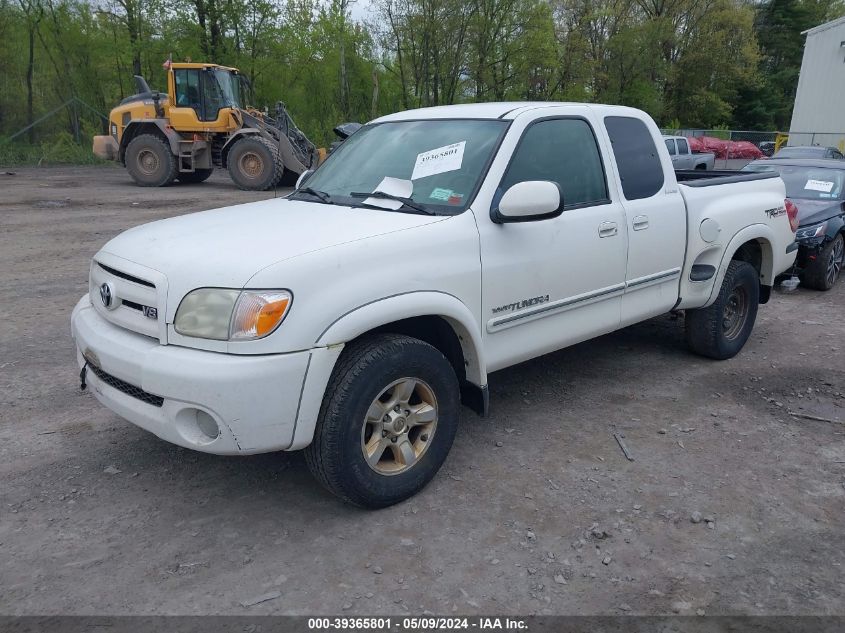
(655,215)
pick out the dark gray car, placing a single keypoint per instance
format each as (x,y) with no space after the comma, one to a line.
(808,151)
(817,188)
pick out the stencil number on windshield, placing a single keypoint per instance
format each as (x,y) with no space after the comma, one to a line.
(819,185)
(439,160)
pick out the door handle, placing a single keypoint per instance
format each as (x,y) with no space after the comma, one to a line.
(608,229)
(640,222)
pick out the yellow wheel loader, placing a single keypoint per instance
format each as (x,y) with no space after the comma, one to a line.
(203,122)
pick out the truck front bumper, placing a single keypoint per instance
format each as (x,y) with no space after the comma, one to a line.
(216,403)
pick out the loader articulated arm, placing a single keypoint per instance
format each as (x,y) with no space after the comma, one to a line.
(297,152)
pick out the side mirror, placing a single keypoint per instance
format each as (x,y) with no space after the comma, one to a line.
(529,201)
(303,177)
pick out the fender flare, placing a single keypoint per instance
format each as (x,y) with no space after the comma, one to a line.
(168,132)
(414,304)
(757,232)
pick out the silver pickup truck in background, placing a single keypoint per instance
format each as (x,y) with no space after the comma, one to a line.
(684,158)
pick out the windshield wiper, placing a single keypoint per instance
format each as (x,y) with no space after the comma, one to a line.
(322,196)
(389,196)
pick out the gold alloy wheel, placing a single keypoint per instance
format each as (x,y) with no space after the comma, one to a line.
(251,165)
(147,161)
(398,426)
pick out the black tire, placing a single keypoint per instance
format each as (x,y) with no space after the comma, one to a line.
(198,175)
(150,162)
(254,164)
(720,330)
(367,367)
(822,273)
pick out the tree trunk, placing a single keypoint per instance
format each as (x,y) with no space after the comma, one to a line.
(30,115)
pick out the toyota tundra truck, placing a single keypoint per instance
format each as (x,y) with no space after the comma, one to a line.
(354,317)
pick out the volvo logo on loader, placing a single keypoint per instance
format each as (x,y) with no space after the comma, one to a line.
(107,295)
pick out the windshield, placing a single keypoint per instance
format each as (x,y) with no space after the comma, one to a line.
(444,160)
(809,183)
(229,88)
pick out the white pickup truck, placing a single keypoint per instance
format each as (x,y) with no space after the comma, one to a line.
(434,247)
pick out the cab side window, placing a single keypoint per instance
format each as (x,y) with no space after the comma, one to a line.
(670,145)
(188,89)
(683,146)
(562,151)
(640,169)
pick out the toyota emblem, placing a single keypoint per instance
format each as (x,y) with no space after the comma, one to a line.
(107,295)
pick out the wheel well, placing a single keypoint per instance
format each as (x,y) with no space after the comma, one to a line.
(750,252)
(701,166)
(758,254)
(136,129)
(439,333)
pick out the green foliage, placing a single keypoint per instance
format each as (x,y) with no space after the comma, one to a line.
(693,63)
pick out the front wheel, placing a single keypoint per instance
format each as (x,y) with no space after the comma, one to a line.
(823,271)
(387,421)
(254,164)
(721,330)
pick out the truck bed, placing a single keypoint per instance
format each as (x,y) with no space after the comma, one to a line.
(704,178)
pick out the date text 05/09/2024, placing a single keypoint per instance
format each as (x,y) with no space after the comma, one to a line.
(430,623)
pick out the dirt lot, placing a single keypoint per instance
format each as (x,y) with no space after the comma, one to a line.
(535,511)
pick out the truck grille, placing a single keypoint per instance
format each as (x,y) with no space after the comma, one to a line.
(134,296)
(125,387)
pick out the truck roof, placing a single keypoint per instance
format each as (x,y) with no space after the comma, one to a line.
(502,110)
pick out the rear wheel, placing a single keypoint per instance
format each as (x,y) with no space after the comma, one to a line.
(150,162)
(721,329)
(823,272)
(387,421)
(198,175)
(254,164)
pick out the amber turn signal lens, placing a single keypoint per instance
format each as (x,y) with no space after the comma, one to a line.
(270,315)
(258,313)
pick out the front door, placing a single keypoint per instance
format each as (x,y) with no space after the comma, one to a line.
(550,283)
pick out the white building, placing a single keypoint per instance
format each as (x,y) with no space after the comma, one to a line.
(818,117)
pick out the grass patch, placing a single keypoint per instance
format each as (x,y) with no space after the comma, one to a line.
(63,150)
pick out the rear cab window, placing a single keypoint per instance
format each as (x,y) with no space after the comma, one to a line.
(637,160)
(683,146)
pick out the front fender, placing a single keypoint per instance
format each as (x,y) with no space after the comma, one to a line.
(414,304)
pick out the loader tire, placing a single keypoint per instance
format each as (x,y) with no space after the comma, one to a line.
(254,164)
(198,175)
(150,162)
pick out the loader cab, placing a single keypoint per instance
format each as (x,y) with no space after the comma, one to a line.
(202,96)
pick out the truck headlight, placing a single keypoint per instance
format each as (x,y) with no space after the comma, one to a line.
(225,314)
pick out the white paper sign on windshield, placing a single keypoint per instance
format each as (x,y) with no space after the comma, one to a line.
(819,185)
(394,187)
(439,160)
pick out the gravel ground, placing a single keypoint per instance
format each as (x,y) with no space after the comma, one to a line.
(731,505)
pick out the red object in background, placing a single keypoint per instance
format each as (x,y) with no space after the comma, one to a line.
(724,149)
